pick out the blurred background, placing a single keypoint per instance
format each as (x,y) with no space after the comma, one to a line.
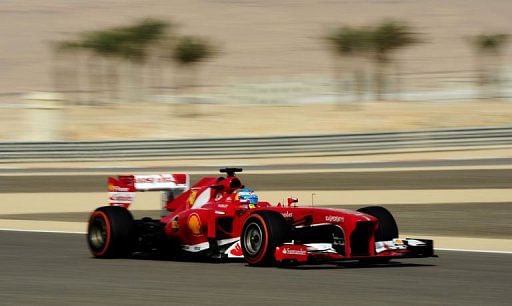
(113,69)
(340,103)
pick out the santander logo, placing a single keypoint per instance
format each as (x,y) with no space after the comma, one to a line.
(288,251)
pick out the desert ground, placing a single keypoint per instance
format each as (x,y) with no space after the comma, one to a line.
(161,121)
(258,40)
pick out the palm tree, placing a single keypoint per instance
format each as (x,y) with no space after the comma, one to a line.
(147,31)
(352,45)
(129,43)
(148,36)
(188,52)
(151,36)
(133,43)
(385,39)
(107,45)
(66,77)
(489,52)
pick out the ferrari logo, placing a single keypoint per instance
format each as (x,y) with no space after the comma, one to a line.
(192,197)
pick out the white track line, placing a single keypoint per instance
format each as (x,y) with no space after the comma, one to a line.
(39,231)
(71,232)
(473,251)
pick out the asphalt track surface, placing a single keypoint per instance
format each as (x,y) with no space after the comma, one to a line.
(387,180)
(56,269)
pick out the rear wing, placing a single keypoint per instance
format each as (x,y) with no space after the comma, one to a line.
(122,189)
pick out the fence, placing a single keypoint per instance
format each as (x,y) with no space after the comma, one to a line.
(315,145)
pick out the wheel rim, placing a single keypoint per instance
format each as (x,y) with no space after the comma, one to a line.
(253,238)
(98,233)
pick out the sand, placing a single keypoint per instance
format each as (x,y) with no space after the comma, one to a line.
(160,121)
(258,39)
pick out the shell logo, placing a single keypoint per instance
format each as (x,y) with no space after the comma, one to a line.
(194,224)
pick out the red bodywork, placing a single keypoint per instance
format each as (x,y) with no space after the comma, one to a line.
(209,215)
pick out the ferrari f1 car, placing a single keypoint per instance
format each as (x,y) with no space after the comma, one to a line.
(218,218)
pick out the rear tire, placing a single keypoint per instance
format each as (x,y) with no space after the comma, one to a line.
(110,232)
(261,234)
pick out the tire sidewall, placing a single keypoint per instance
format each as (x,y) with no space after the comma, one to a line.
(101,251)
(119,228)
(275,231)
(262,253)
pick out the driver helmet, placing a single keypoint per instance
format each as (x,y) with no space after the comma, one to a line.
(247,195)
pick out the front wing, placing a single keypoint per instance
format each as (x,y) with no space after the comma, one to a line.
(327,252)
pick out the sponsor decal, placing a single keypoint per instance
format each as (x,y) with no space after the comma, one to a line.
(121,197)
(154,182)
(153,179)
(223,205)
(292,252)
(288,251)
(194,224)
(335,219)
(196,247)
(287,214)
(413,242)
(115,188)
(381,246)
(192,197)
(237,250)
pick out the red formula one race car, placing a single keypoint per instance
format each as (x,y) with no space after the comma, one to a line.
(219,218)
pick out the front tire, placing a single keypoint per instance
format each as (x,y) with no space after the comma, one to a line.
(261,234)
(110,232)
(387,230)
